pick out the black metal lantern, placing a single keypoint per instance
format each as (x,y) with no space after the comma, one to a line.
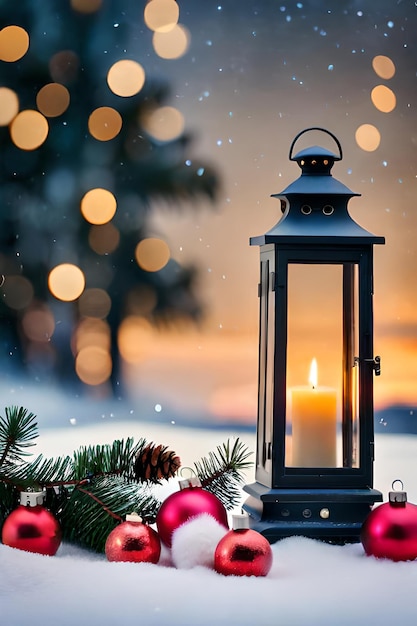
(315,440)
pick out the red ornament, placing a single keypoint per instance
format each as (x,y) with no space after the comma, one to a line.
(243,551)
(390,530)
(31,527)
(185,504)
(133,541)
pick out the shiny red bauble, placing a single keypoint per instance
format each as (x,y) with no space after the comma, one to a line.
(243,552)
(133,541)
(390,530)
(185,504)
(32,528)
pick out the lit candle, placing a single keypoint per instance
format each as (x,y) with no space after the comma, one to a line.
(313,413)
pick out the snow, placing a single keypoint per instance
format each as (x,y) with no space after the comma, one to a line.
(310,582)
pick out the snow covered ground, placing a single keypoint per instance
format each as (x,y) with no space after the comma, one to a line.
(309,583)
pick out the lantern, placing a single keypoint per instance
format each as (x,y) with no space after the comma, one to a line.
(315,438)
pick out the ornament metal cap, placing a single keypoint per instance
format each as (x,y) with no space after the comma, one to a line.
(32,498)
(397,498)
(193,481)
(133,517)
(240,522)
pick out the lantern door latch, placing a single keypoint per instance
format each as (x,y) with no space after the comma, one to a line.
(376,363)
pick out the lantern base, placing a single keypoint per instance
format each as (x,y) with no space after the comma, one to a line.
(332,515)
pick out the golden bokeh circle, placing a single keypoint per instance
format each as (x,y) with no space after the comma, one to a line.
(383,98)
(161,15)
(105,123)
(66,282)
(172,44)
(14,43)
(29,129)
(164,123)
(104,239)
(135,338)
(126,78)
(9,105)
(53,99)
(91,332)
(86,6)
(93,365)
(383,66)
(94,302)
(38,324)
(17,292)
(98,206)
(152,254)
(368,137)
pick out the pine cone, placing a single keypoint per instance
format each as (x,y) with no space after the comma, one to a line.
(154,463)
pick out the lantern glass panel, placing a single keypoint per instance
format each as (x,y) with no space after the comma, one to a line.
(322,341)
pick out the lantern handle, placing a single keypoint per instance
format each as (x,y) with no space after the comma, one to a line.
(323,130)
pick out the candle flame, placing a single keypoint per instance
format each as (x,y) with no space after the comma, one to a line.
(312,379)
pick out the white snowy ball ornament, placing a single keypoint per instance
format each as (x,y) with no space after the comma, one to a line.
(195,541)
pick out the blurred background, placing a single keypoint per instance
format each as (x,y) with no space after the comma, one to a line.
(140,145)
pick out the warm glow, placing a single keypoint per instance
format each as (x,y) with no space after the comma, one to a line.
(383,66)
(126,78)
(16,292)
(9,105)
(313,376)
(53,99)
(64,66)
(104,239)
(29,130)
(93,365)
(86,6)
(383,98)
(164,124)
(92,332)
(66,282)
(94,302)
(172,44)
(161,15)
(98,206)
(135,339)
(38,324)
(152,254)
(368,137)
(105,123)
(14,43)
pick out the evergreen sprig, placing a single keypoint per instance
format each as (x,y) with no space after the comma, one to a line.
(18,430)
(222,472)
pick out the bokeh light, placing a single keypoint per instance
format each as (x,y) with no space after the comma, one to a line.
(53,99)
(17,292)
(105,123)
(383,66)
(104,239)
(64,66)
(86,6)
(94,302)
(368,137)
(126,78)
(383,98)
(38,324)
(14,43)
(29,129)
(141,300)
(9,105)
(98,206)
(66,282)
(92,332)
(161,15)
(93,365)
(172,44)
(135,339)
(152,254)
(164,123)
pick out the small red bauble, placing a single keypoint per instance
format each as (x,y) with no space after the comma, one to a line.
(185,504)
(133,541)
(31,527)
(390,530)
(243,551)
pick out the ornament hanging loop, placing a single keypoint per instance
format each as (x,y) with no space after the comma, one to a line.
(397,497)
(397,480)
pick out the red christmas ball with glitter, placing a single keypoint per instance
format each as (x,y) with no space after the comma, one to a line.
(243,551)
(31,527)
(390,530)
(185,504)
(133,541)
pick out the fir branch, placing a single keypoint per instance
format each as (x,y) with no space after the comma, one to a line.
(101,460)
(17,432)
(222,472)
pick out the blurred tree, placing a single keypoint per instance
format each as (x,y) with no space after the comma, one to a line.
(73,44)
